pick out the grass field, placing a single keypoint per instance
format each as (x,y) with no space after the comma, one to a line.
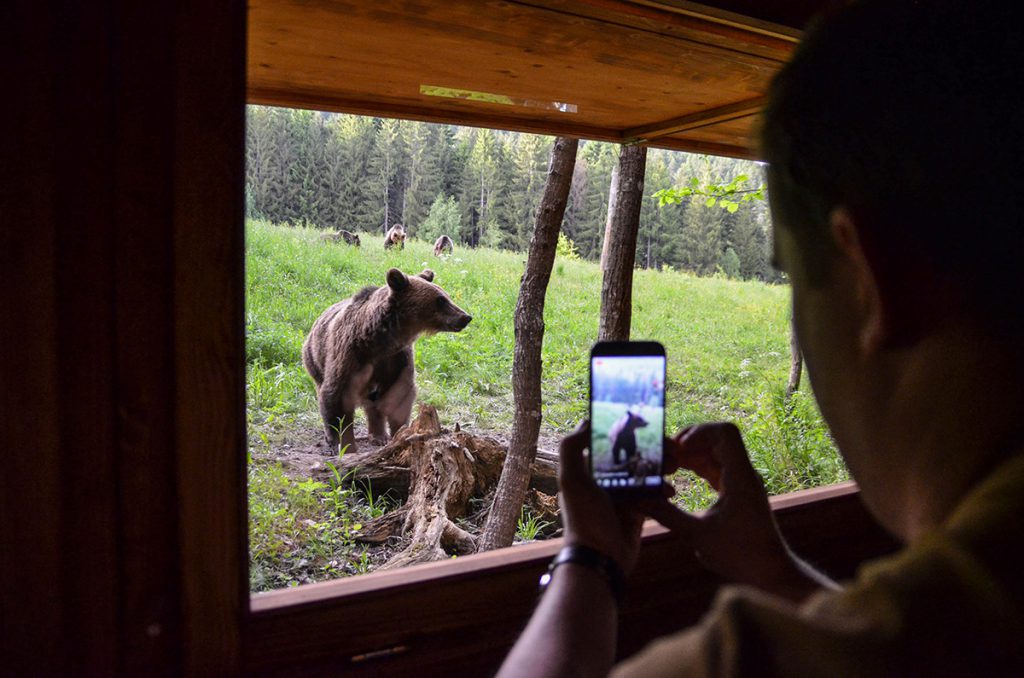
(727,346)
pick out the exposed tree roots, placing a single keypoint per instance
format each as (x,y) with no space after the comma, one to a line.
(438,472)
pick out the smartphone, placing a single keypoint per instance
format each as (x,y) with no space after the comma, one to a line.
(627,416)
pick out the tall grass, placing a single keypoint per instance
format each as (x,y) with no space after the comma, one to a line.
(727,344)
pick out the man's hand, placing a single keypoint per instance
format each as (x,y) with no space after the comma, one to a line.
(589,516)
(573,630)
(737,537)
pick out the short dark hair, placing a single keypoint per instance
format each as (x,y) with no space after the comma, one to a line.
(905,113)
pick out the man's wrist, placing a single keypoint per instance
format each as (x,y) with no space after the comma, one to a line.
(593,560)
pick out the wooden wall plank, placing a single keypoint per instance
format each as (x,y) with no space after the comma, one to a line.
(730,144)
(144,116)
(462,616)
(120,251)
(208,318)
(83,136)
(620,64)
(30,484)
(706,118)
(56,509)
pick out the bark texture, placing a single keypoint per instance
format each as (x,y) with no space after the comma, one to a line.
(619,251)
(526,364)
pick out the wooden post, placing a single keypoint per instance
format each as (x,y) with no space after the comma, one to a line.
(526,364)
(619,251)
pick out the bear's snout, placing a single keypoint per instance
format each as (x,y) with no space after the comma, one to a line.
(461,322)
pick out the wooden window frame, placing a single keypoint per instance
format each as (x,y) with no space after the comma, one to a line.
(124,505)
(463,615)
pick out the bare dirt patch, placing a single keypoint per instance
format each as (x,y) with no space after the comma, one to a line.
(303,453)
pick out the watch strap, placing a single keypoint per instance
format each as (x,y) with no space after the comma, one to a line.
(594,560)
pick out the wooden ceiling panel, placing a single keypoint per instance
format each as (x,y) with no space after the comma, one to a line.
(668,74)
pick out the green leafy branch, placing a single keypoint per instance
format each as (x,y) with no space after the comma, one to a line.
(727,196)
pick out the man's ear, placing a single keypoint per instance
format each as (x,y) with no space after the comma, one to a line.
(397,280)
(874,305)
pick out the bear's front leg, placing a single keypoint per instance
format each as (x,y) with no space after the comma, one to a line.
(337,413)
(397,403)
(375,423)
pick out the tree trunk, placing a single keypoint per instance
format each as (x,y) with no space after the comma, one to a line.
(619,253)
(613,197)
(526,365)
(795,361)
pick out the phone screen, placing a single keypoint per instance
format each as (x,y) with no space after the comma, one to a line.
(627,419)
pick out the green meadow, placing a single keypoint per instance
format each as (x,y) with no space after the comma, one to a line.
(728,359)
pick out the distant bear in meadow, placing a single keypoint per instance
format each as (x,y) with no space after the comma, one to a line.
(343,235)
(443,245)
(622,436)
(395,237)
(359,353)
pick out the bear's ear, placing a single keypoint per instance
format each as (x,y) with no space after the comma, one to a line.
(397,280)
(427,275)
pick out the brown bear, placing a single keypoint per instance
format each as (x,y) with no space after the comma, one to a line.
(622,436)
(359,353)
(347,236)
(395,237)
(442,245)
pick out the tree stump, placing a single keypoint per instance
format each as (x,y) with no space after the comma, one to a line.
(438,472)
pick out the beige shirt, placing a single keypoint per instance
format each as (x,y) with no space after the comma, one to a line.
(951,604)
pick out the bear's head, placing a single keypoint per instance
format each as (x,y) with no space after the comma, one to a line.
(636,421)
(424,306)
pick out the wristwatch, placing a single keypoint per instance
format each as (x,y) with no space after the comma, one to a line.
(595,560)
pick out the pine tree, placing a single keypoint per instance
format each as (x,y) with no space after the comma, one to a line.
(751,242)
(261,153)
(356,135)
(483,169)
(443,219)
(503,230)
(600,159)
(651,245)
(385,173)
(422,141)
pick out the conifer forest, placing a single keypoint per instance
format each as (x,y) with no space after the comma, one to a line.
(482,186)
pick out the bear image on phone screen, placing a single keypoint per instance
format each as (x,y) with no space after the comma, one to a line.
(628,411)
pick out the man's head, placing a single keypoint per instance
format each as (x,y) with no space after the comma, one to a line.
(904,114)
(893,142)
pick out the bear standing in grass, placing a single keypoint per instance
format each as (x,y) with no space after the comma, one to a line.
(347,236)
(395,237)
(359,353)
(622,436)
(443,245)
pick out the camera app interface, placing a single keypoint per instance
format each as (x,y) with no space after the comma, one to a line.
(627,419)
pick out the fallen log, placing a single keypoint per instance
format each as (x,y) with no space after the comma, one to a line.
(437,472)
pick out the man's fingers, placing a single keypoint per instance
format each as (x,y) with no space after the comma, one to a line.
(670,516)
(673,460)
(694,449)
(715,452)
(571,464)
